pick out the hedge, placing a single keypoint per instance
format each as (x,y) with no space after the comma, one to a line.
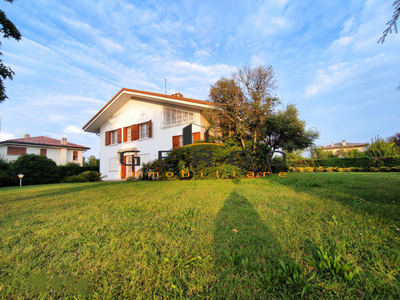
(350,162)
(336,169)
(71,169)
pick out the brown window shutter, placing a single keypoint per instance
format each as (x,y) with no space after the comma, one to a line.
(43,152)
(175,141)
(123,169)
(75,155)
(150,129)
(16,151)
(108,138)
(125,134)
(196,136)
(135,132)
(119,135)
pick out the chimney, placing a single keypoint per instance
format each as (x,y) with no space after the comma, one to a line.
(26,135)
(63,141)
(344,143)
(177,95)
(332,144)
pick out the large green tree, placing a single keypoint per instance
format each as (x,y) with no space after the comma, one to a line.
(242,102)
(244,109)
(8,30)
(284,130)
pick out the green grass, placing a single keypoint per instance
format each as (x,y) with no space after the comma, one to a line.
(310,235)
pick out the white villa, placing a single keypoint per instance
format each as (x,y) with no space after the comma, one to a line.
(60,151)
(145,122)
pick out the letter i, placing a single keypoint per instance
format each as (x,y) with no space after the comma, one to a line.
(201,173)
(233,173)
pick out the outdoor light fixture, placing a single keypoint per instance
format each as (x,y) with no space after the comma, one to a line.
(20,176)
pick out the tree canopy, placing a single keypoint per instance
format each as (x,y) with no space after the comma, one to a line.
(392,24)
(244,109)
(8,30)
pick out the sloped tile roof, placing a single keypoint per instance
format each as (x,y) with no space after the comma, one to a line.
(45,141)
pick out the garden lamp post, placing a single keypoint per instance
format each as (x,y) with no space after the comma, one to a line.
(20,176)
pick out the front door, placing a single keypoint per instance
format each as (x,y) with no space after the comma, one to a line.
(130,169)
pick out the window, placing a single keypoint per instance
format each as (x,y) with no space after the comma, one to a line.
(43,152)
(176,116)
(75,155)
(177,140)
(113,164)
(16,151)
(138,131)
(129,134)
(143,131)
(113,137)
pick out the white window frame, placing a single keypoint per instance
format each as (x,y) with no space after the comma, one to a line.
(173,116)
(129,134)
(114,137)
(143,131)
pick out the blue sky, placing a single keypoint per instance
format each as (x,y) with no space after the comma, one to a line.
(74,56)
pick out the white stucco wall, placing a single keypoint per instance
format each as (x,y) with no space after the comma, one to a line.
(135,112)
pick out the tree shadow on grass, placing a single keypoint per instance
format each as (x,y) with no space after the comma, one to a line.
(244,247)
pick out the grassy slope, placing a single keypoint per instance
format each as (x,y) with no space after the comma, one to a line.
(176,239)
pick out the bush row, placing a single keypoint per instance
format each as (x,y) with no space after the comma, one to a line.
(350,162)
(336,169)
(38,169)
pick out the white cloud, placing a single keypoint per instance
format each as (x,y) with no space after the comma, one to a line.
(6,136)
(72,129)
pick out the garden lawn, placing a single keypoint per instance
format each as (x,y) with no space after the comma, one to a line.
(310,235)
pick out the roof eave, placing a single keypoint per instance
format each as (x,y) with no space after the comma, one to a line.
(46,145)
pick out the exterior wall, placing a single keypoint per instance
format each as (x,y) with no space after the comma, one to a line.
(70,157)
(58,155)
(135,112)
(335,150)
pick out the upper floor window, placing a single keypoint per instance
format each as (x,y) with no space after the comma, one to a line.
(138,131)
(129,134)
(113,137)
(176,116)
(143,131)
(75,155)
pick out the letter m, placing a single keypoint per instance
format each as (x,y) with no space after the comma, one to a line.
(137,174)
(153,174)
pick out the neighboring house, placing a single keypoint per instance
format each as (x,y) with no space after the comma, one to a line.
(335,148)
(145,122)
(60,151)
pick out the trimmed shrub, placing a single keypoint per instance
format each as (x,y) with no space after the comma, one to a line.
(75,178)
(309,170)
(340,170)
(37,169)
(384,169)
(92,176)
(359,162)
(328,170)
